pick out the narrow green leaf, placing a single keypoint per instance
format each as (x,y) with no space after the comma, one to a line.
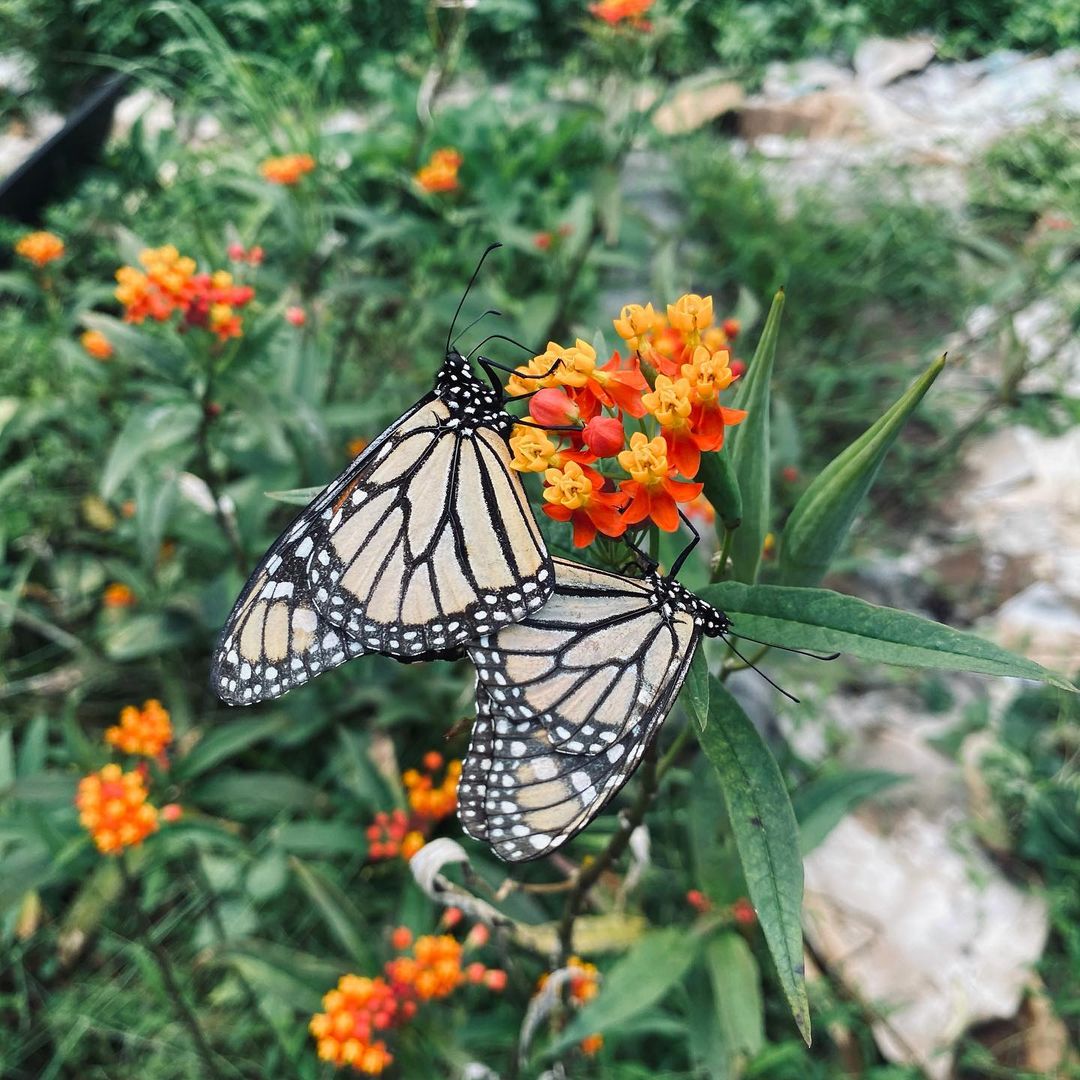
(295,496)
(319,838)
(149,634)
(736,984)
(823,803)
(342,917)
(823,515)
(637,982)
(766,835)
(224,743)
(254,794)
(296,978)
(95,898)
(722,489)
(149,429)
(748,448)
(705,1035)
(824,621)
(695,693)
(7,759)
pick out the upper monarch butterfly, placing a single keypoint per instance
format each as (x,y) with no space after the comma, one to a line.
(569,698)
(424,541)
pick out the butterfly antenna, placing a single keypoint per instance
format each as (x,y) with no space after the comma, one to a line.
(751,664)
(501,337)
(472,281)
(787,648)
(490,311)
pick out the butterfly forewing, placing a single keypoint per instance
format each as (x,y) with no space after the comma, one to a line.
(431,545)
(275,639)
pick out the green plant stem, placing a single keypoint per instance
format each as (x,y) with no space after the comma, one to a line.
(725,554)
(589,875)
(161,957)
(202,436)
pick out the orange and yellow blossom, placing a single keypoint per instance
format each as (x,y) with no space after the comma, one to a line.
(575,493)
(146,731)
(96,344)
(118,595)
(441,172)
(357,1009)
(671,405)
(113,809)
(652,488)
(428,801)
(691,314)
(433,971)
(592,1044)
(287,169)
(40,248)
(533,451)
(635,323)
(615,11)
(709,374)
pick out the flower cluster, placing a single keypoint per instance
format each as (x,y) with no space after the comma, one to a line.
(113,808)
(40,248)
(670,384)
(583,986)
(614,12)
(397,833)
(96,344)
(288,169)
(168,282)
(441,171)
(146,731)
(118,595)
(362,1009)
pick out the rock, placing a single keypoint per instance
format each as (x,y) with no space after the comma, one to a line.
(880,61)
(931,937)
(823,114)
(1043,625)
(156,112)
(696,106)
(785,81)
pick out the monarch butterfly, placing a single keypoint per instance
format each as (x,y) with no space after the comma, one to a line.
(425,540)
(569,698)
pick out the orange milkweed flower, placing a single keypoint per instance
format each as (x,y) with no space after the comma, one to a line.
(287,169)
(146,731)
(592,1044)
(534,451)
(635,323)
(433,971)
(430,802)
(354,1012)
(709,373)
(440,174)
(40,248)
(615,11)
(691,314)
(671,404)
(113,809)
(575,493)
(652,488)
(118,595)
(96,344)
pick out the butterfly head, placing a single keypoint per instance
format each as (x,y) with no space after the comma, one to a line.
(471,402)
(711,621)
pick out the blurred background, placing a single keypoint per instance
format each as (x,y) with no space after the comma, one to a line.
(910,174)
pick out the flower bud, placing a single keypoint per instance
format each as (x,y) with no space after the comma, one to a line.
(295,316)
(731,328)
(552,408)
(171,812)
(604,436)
(742,911)
(236,252)
(737,367)
(495,979)
(401,938)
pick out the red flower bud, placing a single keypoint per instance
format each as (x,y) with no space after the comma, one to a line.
(742,911)
(731,328)
(737,367)
(212,409)
(255,256)
(698,900)
(433,760)
(296,316)
(236,252)
(790,474)
(451,917)
(171,812)
(552,408)
(475,973)
(542,240)
(604,436)
(494,979)
(401,938)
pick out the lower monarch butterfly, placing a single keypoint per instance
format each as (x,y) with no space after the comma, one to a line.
(425,540)
(569,698)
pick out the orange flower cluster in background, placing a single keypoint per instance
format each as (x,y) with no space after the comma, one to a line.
(397,833)
(146,731)
(168,283)
(96,344)
(118,595)
(441,171)
(113,808)
(670,384)
(287,169)
(361,1009)
(615,11)
(41,248)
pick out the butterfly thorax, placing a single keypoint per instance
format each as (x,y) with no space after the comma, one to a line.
(471,402)
(675,597)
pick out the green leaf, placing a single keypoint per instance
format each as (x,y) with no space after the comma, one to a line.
(217,746)
(150,429)
(296,978)
(736,984)
(319,838)
(695,694)
(342,917)
(722,489)
(823,803)
(295,496)
(748,448)
(766,835)
(823,515)
(824,621)
(637,982)
(149,634)
(255,794)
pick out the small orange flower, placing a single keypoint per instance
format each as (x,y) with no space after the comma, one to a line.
(742,911)
(113,809)
(146,731)
(386,833)
(412,843)
(691,314)
(354,1012)
(430,802)
(433,971)
(401,938)
(652,488)
(288,169)
(96,344)
(635,323)
(575,493)
(118,595)
(592,1044)
(356,447)
(295,316)
(440,174)
(615,11)
(41,248)
(584,987)
(698,901)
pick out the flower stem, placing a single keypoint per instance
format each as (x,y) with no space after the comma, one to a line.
(172,987)
(209,477)
(722,559)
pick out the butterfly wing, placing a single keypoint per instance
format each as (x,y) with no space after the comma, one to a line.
(432,543)
(275,638)
(600,668)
